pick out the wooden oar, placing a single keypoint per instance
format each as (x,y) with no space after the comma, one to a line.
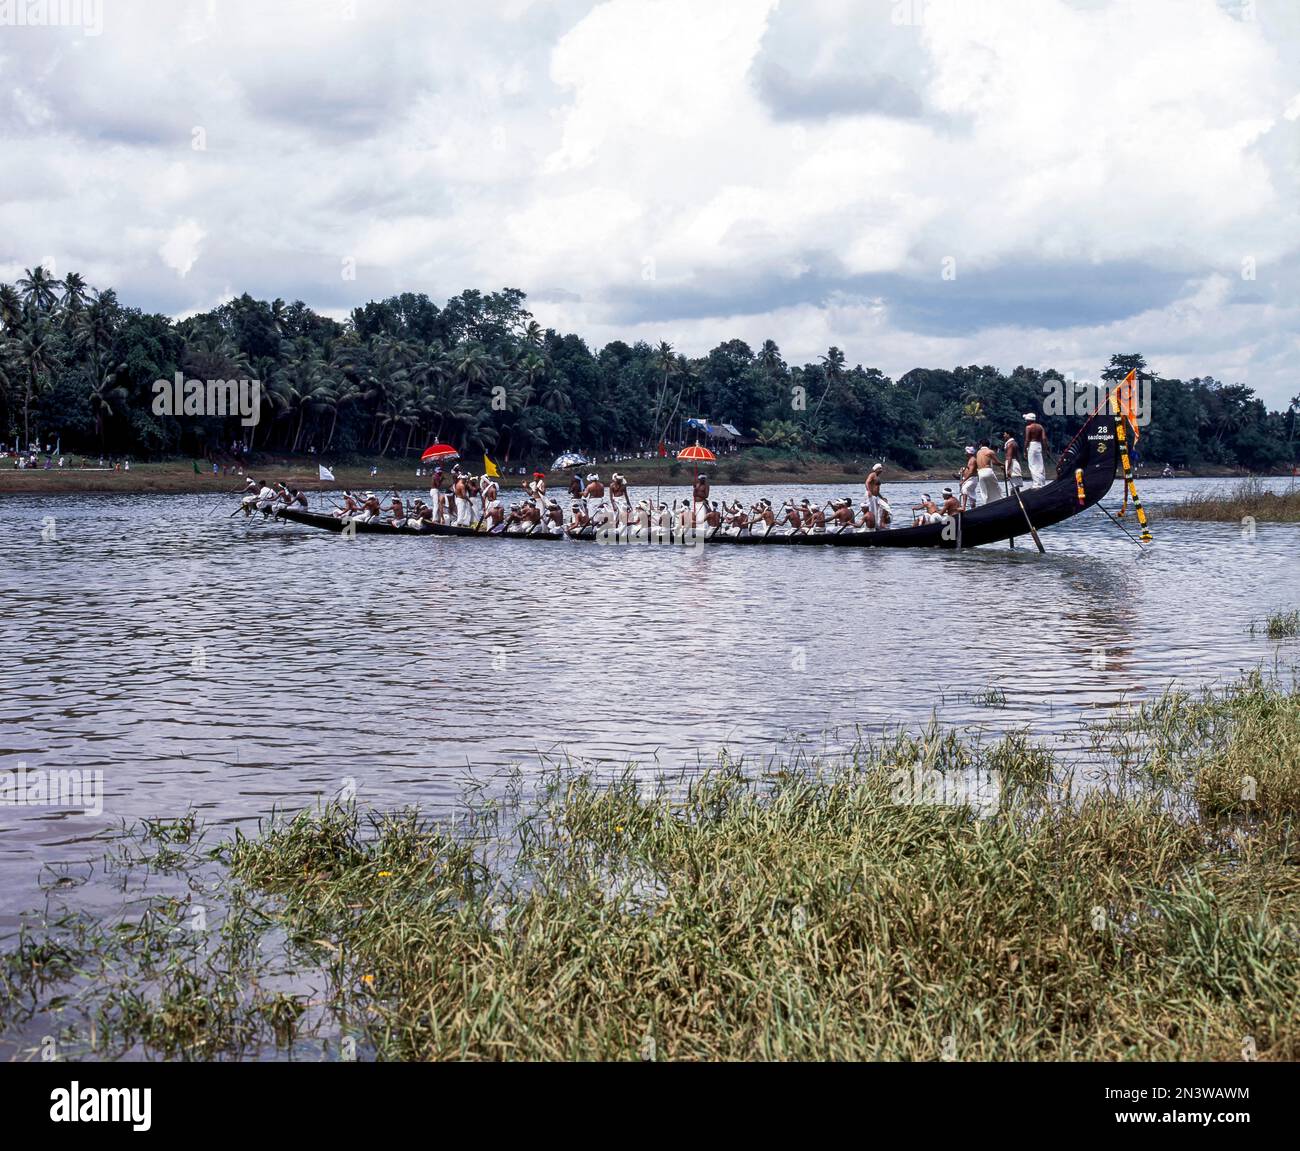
(1007,494)
(1033,531)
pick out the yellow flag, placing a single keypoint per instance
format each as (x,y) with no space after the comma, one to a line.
(1127,394)
(489,468)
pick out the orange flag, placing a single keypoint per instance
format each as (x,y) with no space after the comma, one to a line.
(1127,395)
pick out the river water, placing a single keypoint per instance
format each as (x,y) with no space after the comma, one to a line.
(234,667)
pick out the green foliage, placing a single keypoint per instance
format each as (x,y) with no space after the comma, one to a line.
(480,372)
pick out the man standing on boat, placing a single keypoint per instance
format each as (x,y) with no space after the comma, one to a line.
(989,490)
(872,484)
(1035,450)
(464,505)
(438,497)
(1011,460)
(618,494)
(699,499)
(969,480)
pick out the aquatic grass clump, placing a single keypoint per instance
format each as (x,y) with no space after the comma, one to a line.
(871,906)
(1250,498)
(1280,625)
(1234,750)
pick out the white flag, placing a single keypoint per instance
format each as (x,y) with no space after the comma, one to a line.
(325,473)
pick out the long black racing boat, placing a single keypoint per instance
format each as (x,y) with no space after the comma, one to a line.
(1084,474)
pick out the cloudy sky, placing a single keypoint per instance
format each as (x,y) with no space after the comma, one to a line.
(922,183)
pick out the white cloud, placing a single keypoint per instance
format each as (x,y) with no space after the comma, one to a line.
(795,171)
(180,249)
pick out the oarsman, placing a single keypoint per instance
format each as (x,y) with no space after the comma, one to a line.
(530,516)
(266,497)
(842,515)
(712,517)
(927,511)
(493,515)
(487,489)
(789,517)
(805,516)
(638,518)
(370,509)
(819,520)
(554,517)
(1011,460)
(252,493)
(351,506)
(512,518)
(989,490)
(578,518)
(396,510)
(422,511)
(662,520)
(950,506)
(969,480)
(766,516)
(1035,450)
(685,517)
(865,521)
(872,485)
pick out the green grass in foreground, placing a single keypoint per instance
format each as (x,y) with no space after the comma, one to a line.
(1248,499)
(829,911)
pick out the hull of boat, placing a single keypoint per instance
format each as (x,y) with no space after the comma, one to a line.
(1085,474)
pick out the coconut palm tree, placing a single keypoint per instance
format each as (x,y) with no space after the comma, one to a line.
(11,308)
(74,291)
(665,363)
(833,370)
(38,288)
(105,397)
(769,358)
(37,358)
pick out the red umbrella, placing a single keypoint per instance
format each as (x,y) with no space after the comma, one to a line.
(697,455)
(441,452)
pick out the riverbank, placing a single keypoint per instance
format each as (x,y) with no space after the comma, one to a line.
(180,476)
(923,898)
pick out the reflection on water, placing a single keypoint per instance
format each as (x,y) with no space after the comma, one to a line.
(236,667)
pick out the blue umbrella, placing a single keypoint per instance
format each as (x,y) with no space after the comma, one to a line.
(569,460)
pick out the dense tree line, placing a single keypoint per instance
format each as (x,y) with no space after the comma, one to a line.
(77,364)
